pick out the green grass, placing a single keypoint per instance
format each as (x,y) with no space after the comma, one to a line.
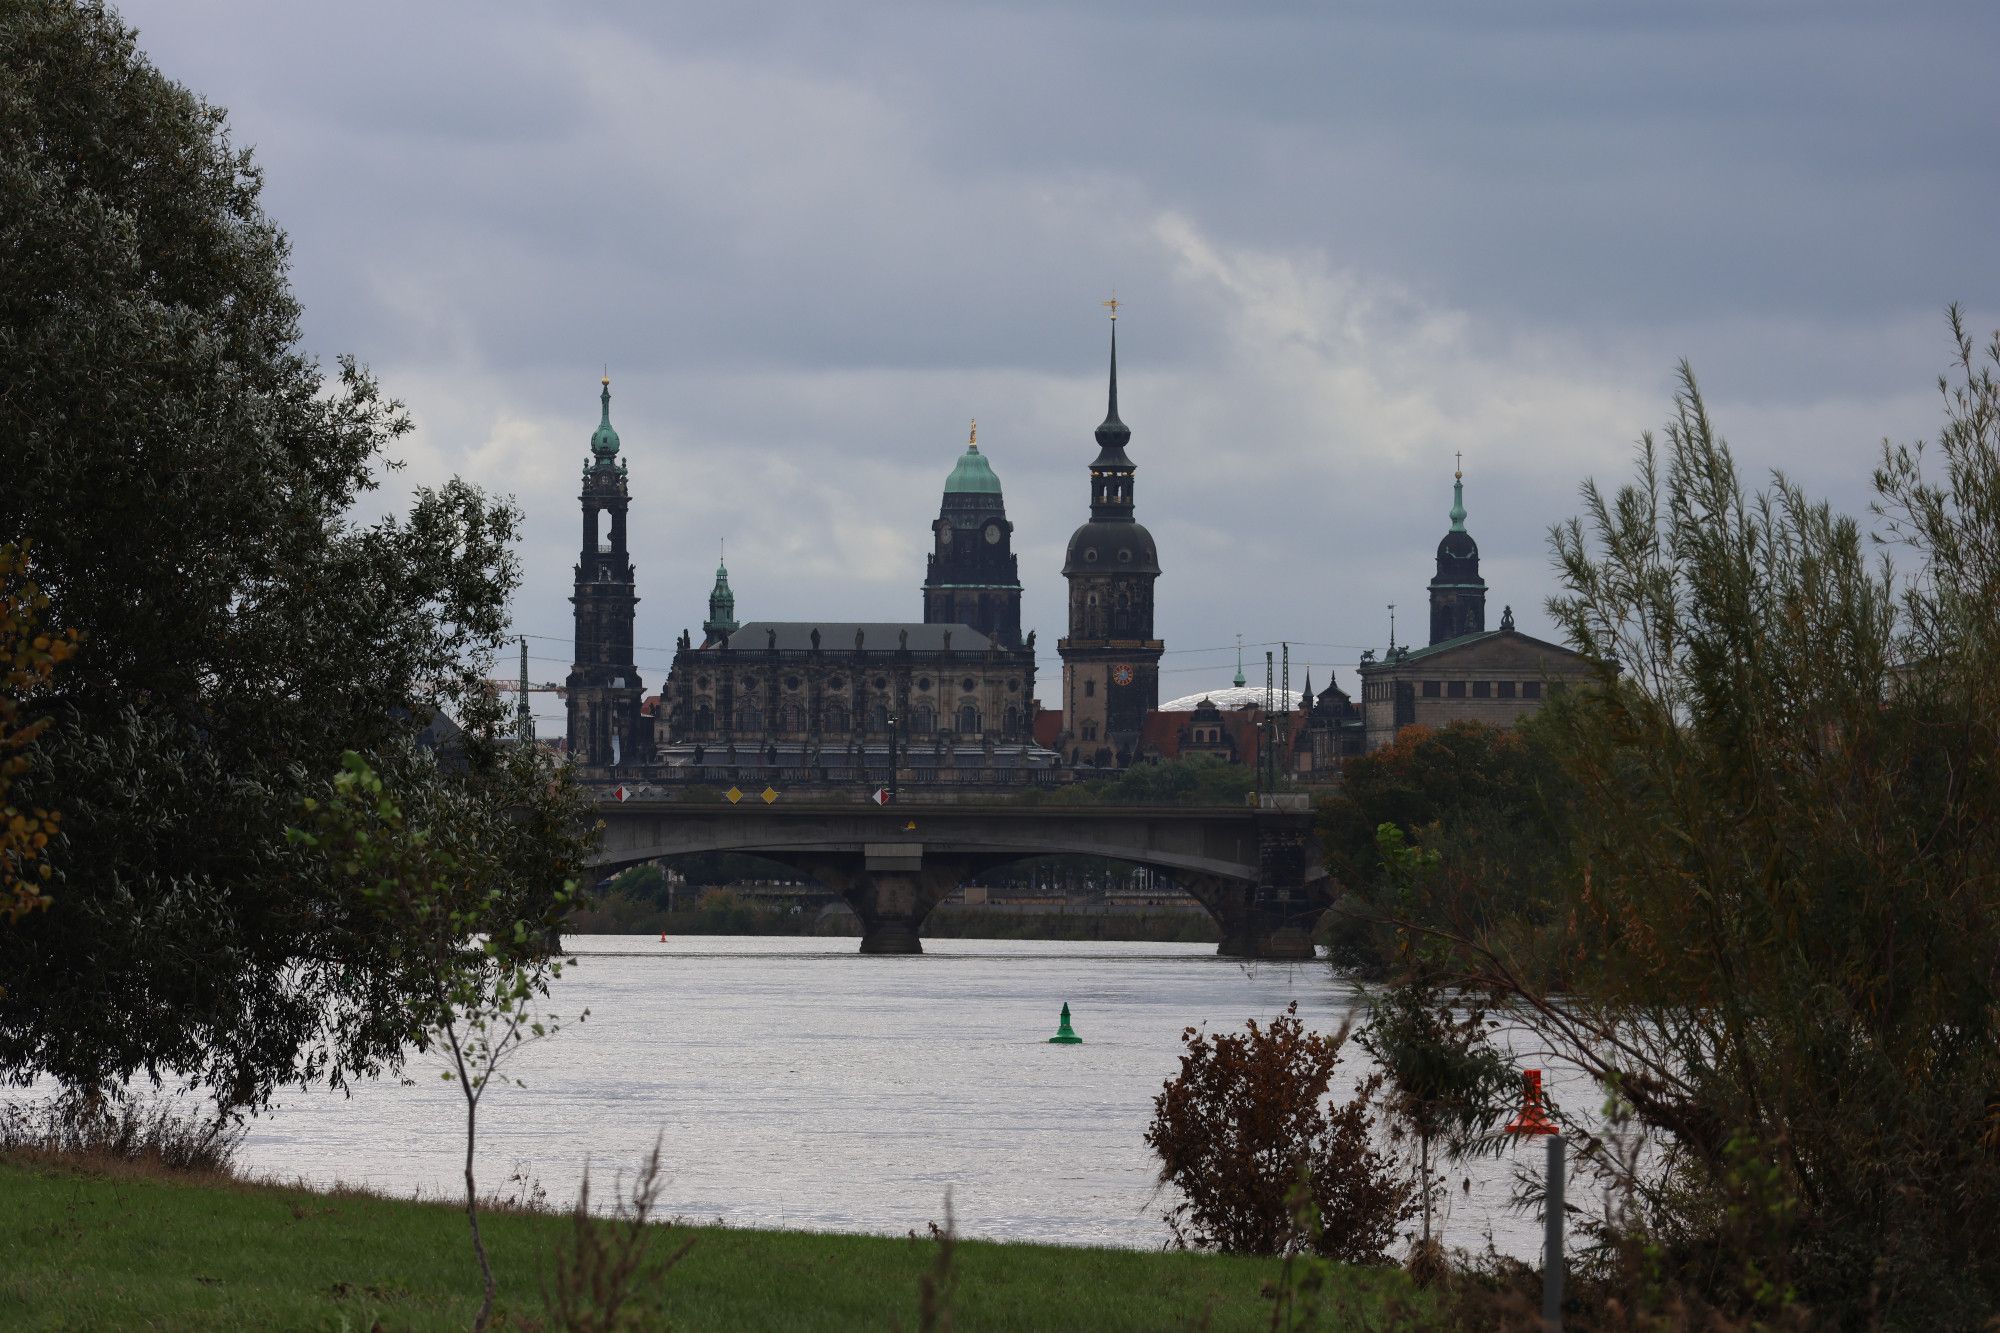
(107,1247)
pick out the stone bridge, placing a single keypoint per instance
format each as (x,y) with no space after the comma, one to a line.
(1257,870)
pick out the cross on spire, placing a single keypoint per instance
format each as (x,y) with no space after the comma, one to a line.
(1458,468)
(1112,305)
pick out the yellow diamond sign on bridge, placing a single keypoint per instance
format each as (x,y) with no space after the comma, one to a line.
(734,795)
(769,795)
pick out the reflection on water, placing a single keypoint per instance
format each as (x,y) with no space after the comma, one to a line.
(799,1084)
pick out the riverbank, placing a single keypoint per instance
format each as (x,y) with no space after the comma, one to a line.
(96,1245)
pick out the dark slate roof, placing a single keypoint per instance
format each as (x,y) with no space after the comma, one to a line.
(838,636)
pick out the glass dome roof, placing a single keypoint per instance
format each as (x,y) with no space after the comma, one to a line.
(1228,699)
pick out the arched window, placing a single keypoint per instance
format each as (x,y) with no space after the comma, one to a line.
(836,719)
(1090,731)
(790,719)
(878,717)
(749,718)
(968,719)
(704,717)
(922,721)
(1012,726)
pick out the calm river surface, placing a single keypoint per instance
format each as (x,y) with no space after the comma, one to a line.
(799,1084)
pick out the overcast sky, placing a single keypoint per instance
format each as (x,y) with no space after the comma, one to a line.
(811,240)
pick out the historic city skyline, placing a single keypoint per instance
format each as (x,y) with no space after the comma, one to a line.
(810,251)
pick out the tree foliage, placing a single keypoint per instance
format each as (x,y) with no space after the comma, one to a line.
(189,475)
(1785,919)
(1196,779)
(29,655)
(428,869)
(1446,1087)
(1246,1125)
(1485,804)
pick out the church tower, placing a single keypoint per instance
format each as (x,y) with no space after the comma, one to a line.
(972,577)
(1111,661)
(1458,594)
(604,690)
(721,622)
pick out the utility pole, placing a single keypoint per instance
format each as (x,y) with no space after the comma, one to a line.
(1269,774)
(524,717)
(1284,709)
(892,758)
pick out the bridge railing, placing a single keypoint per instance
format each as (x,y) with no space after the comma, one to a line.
(836,784)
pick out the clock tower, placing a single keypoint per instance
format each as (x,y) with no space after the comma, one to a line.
(1111,661)
(972,577)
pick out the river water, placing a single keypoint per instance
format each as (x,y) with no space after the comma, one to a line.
(795,1083)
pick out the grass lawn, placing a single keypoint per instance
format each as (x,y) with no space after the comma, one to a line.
(112,1247)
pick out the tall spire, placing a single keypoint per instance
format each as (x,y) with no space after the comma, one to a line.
(1238,682)
(1458,495)
(1112,435)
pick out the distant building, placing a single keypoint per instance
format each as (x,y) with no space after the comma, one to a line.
(1111,661)
(792,702)
(1333,732)
(604,691)
(825,700)
(1458,594)
(972,577)
(1467,672)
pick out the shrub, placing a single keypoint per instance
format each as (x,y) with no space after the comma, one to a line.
(1246,1120)
(128,1129)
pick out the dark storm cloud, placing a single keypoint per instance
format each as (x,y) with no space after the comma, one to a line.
(812,239)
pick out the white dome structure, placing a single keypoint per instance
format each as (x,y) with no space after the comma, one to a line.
(1229,698)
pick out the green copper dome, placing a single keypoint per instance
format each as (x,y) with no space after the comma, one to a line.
(604,441)
(973,475)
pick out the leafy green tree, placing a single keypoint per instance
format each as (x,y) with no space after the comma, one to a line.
(1485,803)
(1786,921)
(427,872)
(1447,1086)
(189,476)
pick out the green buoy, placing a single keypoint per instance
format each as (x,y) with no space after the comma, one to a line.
(1065,1035)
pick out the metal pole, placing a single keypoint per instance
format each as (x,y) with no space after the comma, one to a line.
(892,759)
(1552,1238)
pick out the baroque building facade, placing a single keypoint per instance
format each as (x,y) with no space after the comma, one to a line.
(948,699)
(1466,672)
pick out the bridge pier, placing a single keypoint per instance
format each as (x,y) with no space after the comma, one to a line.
(891,887)
(892,906)
(1259,921)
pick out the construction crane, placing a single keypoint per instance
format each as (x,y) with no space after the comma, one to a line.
(524,719)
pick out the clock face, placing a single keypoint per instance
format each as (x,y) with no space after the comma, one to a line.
(992,534)
(944,534)
(1121,674)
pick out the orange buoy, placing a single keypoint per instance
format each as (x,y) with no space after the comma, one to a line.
(1534,1119)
